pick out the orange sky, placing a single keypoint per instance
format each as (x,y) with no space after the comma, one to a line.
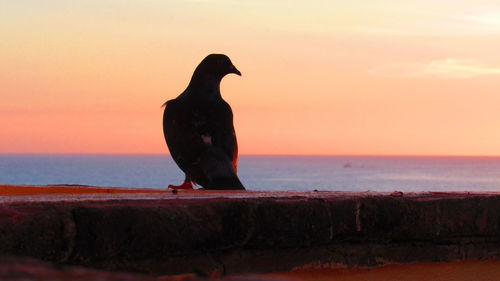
(415,77)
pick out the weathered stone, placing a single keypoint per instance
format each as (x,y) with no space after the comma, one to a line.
(253,234)
(22,269)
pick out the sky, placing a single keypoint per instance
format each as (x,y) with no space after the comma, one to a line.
(413,77)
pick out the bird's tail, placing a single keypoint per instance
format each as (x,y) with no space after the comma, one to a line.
(218,171)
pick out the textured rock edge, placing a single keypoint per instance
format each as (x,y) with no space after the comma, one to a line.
(253,235)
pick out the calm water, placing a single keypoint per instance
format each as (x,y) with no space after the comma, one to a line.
(263,172)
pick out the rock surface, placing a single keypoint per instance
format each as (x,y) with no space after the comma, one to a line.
(23,269)
(245,232)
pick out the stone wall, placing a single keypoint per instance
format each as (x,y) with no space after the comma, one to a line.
(254,234)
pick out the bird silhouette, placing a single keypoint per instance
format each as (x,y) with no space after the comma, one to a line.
(199,131)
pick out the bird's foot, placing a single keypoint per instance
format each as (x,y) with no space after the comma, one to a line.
(184,185)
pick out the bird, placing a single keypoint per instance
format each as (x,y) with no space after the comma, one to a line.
(199,130)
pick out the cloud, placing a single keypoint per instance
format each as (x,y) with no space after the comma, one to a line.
(485,22)
(449,68)
(489,18)
(415,18)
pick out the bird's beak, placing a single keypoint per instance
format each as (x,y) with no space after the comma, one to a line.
(234,70)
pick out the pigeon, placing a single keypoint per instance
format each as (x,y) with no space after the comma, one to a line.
(199,131)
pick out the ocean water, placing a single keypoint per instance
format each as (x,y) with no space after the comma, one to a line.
(300,173)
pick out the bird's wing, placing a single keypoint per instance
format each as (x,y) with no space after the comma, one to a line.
(189,128)
(219,159)
(199,135)
(179,134)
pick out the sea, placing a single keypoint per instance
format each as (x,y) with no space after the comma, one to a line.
(273,173)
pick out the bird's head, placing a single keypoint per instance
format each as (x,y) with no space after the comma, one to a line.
(218,65)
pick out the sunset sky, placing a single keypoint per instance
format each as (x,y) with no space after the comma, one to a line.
(392,77)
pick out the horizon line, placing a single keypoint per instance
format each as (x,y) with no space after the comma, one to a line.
(264,154)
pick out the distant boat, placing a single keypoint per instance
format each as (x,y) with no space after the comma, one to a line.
(347,165)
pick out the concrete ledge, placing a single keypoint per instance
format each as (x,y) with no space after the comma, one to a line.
(252,232)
